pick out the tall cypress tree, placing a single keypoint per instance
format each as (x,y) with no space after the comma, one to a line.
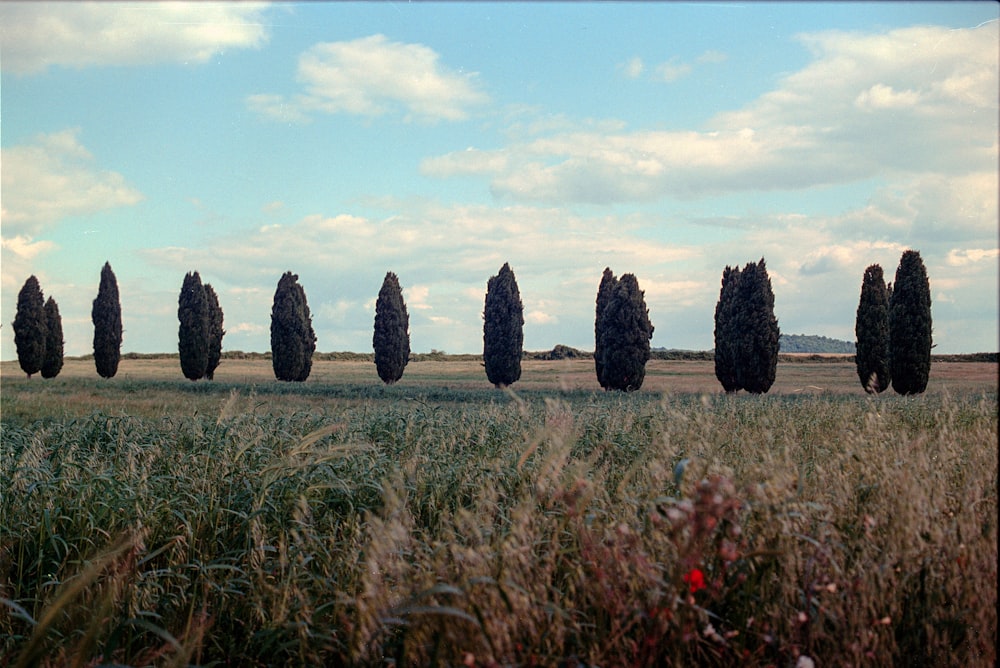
(293,340)
(391,339)
(726,334)
(52,363)
(193,334)
(625,335)
(758,333)
(604,292)
(215,331)
(30,330)
(503,329)
(871,330)
(910,338)
(106,315)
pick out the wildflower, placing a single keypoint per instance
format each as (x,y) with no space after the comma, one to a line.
(695,579)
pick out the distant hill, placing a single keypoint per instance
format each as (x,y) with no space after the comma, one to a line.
(810,343)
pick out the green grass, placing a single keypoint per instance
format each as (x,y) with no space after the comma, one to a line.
(353,524)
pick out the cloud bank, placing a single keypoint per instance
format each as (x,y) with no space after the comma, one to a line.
(373,76)
(38,35)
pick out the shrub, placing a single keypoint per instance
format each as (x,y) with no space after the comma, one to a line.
(293,340)
(391,339)
(625,334)
(29,327)
(106,315)
(726,334)
(53,361)
(193,334)
(872,331)
(503,329)
(910,326)
(215,331)
(757,334)
(604,292)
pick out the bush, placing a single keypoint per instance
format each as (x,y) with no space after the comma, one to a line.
(503,329)
(293,340)
(106,315)
(30,330)
(391,339)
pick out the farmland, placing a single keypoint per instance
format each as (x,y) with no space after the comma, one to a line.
(149,520)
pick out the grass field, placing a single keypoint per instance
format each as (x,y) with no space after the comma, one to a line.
(149,520)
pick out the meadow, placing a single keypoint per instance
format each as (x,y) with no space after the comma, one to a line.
(149,520)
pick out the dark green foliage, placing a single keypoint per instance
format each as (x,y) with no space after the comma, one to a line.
(814,343)
(604,292)
(215,331)
(106,315)
(391,339)
(293,340)
(625,332)
(52,363)
(503,329)
(193,334)
(725,333)
(29,327)
(872,331)
(755,328)
(910,326)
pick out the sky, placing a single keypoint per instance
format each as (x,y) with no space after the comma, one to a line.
(341,141)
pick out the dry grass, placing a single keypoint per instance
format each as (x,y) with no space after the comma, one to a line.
(340,523)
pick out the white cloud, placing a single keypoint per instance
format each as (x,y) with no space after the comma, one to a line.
(53,178)
(372,76)
(633,68)
(37,35)
(963,257)
(910,101)
(672,70)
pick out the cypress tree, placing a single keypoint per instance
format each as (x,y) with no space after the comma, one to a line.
(106,315)
(293,340)
(910,339)
(193,334)
(625,334)
(391,339)
(604,292)
(503,329)
(30,330)
(726,334)
(871,330)
(757,328)
(53,361)
(215,331)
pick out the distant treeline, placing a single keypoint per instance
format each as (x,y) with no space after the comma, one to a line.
(811,343)
(559,352)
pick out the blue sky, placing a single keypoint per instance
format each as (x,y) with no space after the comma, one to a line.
(340,141)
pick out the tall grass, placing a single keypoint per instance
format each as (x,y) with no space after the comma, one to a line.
(603,529)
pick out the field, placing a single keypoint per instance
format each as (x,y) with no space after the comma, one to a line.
(149,520)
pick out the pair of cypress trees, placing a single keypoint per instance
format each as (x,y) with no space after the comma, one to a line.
(38,334)
(893,328)
(200,333)
(622,332)
(746,330)
(293,340)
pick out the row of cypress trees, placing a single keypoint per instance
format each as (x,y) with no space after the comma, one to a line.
(894,329)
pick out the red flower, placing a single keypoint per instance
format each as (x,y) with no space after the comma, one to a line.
(695,579)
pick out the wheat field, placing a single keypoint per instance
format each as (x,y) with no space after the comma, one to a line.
(148,520)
